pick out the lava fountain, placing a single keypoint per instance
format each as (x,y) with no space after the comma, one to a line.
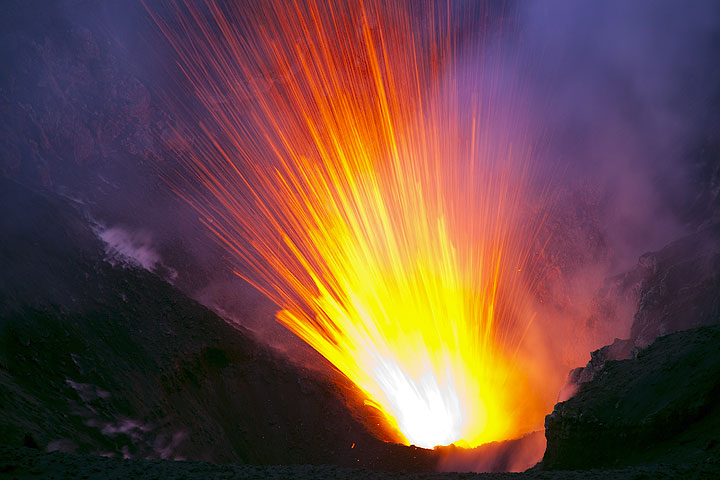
(371,185)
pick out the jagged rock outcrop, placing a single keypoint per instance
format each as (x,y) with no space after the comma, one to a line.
(618,350)
(676,288)
(661,407)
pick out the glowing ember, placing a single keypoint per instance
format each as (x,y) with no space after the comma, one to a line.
(371,188)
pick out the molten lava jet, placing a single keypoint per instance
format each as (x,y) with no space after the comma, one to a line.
(372,185)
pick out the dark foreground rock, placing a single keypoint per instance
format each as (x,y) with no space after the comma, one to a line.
(663,406)
(21,463)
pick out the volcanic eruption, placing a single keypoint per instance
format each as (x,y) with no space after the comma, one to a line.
(312,238)
(370,183)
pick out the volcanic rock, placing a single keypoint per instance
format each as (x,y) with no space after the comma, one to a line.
(661,407)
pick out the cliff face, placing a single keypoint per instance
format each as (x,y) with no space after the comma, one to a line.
(75,107)
(682,289)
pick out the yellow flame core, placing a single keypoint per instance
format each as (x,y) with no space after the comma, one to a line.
(371,188)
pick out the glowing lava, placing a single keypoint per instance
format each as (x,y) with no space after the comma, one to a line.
(370,184)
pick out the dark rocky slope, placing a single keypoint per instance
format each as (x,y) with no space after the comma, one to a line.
(655,416)
(110,359)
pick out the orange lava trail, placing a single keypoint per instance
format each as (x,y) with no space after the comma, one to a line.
(370,184)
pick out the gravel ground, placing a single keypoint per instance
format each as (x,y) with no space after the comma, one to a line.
(20,463)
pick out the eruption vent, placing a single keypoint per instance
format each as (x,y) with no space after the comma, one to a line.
(370,184)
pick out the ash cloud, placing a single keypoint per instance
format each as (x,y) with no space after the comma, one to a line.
(620,99)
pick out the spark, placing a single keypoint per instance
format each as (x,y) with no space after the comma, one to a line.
(369,182)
